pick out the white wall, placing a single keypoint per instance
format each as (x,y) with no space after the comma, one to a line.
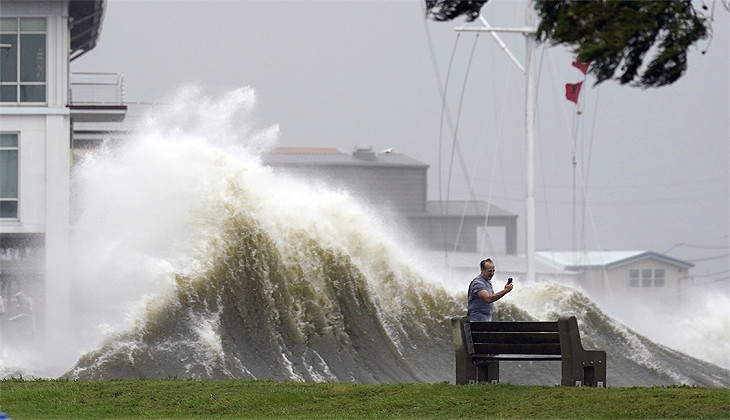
(44,137)
(614,284)
(45,162)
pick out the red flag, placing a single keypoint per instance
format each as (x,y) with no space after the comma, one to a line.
(581,66)
(572,90)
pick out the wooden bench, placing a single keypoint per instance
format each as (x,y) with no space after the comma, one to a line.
(480,346)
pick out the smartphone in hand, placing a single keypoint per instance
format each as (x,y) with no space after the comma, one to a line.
(509,280)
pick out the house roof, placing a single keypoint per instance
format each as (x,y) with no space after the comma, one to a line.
(607,259)
(328,156)
(86,17)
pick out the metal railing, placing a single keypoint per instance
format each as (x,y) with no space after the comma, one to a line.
(86,88)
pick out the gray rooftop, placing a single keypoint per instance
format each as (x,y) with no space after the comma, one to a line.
(324,156)
(457,208)
(576,260)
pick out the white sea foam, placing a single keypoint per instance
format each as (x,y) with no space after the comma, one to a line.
(152,208)
(699,328)
(209,338)
(149,206)
(318,369)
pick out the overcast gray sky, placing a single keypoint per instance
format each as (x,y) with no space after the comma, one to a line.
(654,163)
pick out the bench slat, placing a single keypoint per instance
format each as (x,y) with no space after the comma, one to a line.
(515,326)
(516,337)
(485,358)
(516,348)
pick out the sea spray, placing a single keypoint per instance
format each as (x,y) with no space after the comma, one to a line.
(699,326)
(697,323)
(275,320)
(257,275)
(195,261)
(625,347)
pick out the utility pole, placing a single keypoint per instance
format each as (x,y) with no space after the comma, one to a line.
(528,31)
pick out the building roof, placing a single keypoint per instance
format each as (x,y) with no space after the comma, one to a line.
(86,17)
(607,259)
(457,208)
(328,156)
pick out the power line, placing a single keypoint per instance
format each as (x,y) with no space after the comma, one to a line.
(716,257)
(712,274)
(634,186)
(696,246)
(710,281)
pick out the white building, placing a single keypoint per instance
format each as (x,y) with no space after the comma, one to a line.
(39,39)
(626,276)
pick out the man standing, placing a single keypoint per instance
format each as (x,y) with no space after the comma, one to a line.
(481,293)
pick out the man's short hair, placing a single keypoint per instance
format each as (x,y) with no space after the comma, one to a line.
(481,264)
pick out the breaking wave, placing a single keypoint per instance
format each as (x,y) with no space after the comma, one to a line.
(203,263)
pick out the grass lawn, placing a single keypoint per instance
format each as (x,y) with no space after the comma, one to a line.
(236,399)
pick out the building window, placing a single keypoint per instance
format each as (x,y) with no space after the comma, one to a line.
(658,278)
(8,176)
(646,278)
(22,60)
(634,278)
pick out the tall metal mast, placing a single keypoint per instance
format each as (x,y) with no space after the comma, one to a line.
(528,31)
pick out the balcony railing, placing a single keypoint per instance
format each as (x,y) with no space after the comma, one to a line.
(96,89)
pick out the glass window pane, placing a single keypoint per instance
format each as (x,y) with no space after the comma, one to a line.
(9,24)
(9,94)
(659,277)
(9,58)
(8,174)
(8,209)
(32,24)
(633,278)
(32,93)
(8,140)
(646,277)
(33,58)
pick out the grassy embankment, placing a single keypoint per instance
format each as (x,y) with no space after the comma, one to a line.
(234,399)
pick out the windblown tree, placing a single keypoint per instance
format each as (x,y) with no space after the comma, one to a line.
(614,36)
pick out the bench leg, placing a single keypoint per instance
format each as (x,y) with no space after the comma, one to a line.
(467,372)
(487,372)
(465,369)
(580,367)
(589,371)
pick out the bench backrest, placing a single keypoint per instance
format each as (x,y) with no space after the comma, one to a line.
(512,338)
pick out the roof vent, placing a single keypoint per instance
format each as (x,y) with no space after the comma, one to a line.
(364,152)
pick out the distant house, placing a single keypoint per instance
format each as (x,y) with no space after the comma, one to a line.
(398,184)
(628,275)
